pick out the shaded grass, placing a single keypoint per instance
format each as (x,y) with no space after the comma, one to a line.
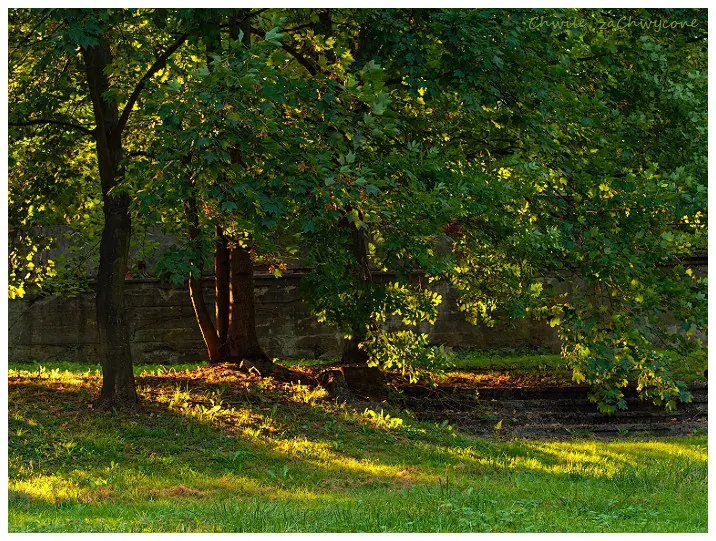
(490,367)
(217,451)
(497,360)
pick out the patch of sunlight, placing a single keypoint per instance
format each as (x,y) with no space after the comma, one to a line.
(237,487)
(631,453)
(382,420)
(152,369)
(244,487)
(371,467)
(449,451)
(699,453)
(588,452)
(304,446)
(321,455)
(598,470)
(206,408)
(304,394)
(54,489)
(55,375)
(465,455)
(582,463)
(29,421)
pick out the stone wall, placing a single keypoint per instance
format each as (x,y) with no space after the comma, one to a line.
(163,329)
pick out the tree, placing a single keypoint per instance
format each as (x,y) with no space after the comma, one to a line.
(553,139)
(573,125)
(218,174)
(362,175)
(635,209)
(508,158)
(270,156)
(90,88)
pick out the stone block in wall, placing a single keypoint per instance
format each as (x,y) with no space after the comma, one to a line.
(163,353)
(52,321)
(81,353)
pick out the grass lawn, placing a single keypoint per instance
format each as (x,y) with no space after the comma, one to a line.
(216,451)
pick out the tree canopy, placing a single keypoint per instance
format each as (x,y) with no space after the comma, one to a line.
(546,163)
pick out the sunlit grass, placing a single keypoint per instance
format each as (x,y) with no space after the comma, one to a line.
(59,368)
(214,451)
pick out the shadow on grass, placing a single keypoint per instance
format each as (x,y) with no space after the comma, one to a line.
(275,445)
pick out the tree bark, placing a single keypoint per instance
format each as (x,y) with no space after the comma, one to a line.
(242,342)
(222,286)
(352,353)
(203,318)
(118,387)
(206,326)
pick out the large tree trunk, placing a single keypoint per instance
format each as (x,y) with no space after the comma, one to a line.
(352,353)
(118,388)
(242,341)
(235,331)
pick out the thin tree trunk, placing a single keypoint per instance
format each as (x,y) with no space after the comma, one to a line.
(222,285)
(203,318)
(118,387)
(352,353)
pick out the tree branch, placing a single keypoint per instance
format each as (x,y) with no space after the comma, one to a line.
(140,153)
(30,33)
(310,67)
(41,121)
(300,58)
(299,27)
(159,63)
(253,14)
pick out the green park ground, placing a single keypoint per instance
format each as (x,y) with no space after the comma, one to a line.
(547,165)
(213,450)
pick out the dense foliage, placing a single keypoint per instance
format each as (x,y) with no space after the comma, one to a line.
(548,164)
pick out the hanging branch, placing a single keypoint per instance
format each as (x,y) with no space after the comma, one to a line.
(43,121)
(159,63)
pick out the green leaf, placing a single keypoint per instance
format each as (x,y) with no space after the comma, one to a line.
(273,36)
(202,142)
(354,218)
(381,104)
